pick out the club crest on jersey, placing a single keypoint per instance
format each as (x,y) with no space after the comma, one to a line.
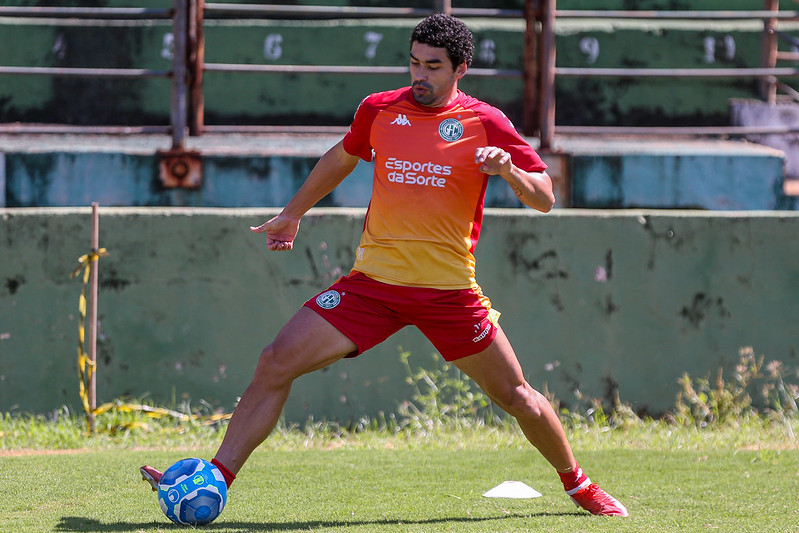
(328,299)
(450,129)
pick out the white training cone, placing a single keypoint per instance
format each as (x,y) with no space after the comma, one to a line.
(512,489)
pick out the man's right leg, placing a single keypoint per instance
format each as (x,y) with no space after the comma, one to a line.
(306,343)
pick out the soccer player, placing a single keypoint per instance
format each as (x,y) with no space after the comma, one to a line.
(434,149)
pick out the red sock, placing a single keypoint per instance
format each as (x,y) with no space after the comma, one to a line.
(574,481)
(229,476)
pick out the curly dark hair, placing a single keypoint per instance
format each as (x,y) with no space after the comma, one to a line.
(445,31)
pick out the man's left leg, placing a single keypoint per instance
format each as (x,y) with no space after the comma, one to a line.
(498,373)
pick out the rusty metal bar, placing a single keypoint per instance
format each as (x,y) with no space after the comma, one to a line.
(17,127)
(228,128)
(546,95)
(675,15)
(768,86)
(104,13)
(686,131)
(677,72)
(196,66)
(86,72)
(308,69)
(263,128)
(178,110)
(465,12)
(343,69)
(530,70)
(213,9)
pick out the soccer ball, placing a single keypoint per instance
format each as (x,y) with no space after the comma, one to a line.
(192,491)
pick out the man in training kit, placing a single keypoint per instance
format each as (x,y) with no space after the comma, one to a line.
(434,150)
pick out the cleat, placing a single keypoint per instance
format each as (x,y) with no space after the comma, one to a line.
(597,501)
(151,476)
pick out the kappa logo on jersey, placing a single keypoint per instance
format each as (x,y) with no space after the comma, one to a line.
(450,129)
(401,120)
(328,299)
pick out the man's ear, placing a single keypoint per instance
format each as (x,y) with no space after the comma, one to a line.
(461,70)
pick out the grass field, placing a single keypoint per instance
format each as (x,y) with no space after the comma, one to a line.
(670,480)
(714,463)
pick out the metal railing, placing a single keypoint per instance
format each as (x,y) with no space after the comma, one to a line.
(538,71)
(768,73)
(213,10)
(89,14)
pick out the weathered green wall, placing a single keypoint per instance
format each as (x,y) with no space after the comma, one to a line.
(593,301)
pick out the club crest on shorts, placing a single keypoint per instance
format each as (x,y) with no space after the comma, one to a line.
(450,129)
(328,299)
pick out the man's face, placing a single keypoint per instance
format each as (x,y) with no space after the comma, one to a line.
(433,78)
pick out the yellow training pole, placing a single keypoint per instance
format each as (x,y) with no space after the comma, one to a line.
(93,317)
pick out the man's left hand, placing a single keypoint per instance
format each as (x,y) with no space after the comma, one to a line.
(493,160)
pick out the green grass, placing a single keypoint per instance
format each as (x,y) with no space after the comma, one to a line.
(394,485)
(714,462)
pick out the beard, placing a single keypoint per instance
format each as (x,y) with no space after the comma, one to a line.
(425,98)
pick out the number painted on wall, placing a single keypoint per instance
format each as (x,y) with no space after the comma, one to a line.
(273,49)
(729,47)
(167,51)
(589,46)
(372,41)
(60,46)
(722,48)
(487,51)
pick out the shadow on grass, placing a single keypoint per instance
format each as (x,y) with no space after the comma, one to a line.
(77,523)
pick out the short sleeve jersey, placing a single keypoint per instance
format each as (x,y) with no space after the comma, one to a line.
(428,193)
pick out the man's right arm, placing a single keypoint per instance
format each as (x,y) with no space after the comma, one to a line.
(331,169)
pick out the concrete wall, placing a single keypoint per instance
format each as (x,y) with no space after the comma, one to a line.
(593,301)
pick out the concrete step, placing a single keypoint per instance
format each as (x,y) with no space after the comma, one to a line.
(266,170)
(675,173)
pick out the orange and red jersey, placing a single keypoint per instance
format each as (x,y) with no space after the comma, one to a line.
(426,209)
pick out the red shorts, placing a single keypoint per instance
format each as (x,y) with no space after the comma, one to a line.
(458,322)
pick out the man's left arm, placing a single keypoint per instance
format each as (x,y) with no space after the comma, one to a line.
(534,189)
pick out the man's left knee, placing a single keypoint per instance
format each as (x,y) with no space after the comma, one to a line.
(526,401)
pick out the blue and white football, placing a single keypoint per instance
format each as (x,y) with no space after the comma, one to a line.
(192,491)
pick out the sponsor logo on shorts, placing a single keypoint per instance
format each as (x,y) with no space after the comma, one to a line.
(482,334)
(450,129)
(328,299)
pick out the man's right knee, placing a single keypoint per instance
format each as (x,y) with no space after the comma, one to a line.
(272,369)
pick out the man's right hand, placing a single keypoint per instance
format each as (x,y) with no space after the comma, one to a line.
(280,232)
